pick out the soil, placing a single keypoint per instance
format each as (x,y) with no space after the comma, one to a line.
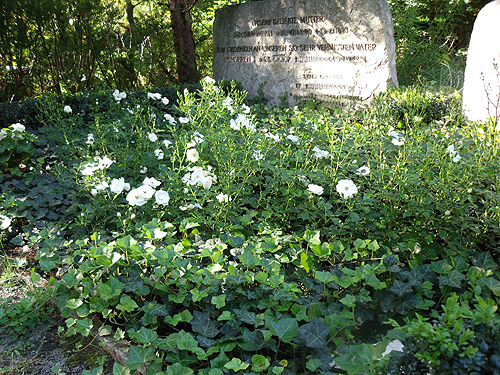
(42,348)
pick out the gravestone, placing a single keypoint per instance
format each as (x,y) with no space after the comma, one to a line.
(338,50)
(481,95)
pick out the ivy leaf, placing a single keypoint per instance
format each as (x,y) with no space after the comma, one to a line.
(492,284)
(285,329)
(126,303)
(119,369)
(484,261)
(138,355)
(387,302)
(219,361)
(219,301)
(314,333)
(185,341)
(239,279)
(203,325)
(74,303)
(406,305)
(155,309)
(247,316)
(323,277)
(248,259)
(95,371)
(178,369)
(400,288)
(420,274)
(146,335)
(254,340)
(453,279)
(83,326)
(198,295)
(359,358)
(236,365)
(313,364)
(374,282)
(349,300)
(312,237)
(260,363)
(205,341)
(184,316)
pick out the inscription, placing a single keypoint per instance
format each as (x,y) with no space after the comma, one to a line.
(332,56)
(288,21)
(238,59)
(349,47)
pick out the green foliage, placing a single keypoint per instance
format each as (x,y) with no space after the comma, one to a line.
(16,146)
(17,317)
(257,261)
(65,47)
(431,37)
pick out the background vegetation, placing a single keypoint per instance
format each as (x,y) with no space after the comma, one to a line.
(66,46)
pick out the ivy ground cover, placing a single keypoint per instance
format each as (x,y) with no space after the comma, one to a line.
(219,237)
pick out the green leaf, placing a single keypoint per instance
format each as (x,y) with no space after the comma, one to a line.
(313,364)
(453,279)
(83,326)
(186,341)
(247,317)
(321,251)
(374,282)
(226,315)
(126,303)
(203,325)
(95,371)
(401,288)
(138,355)
(119,369)
(198,295)
(236,365)
(324,277)
(312,237)
(178,369)
(126,242)
(406,305)
(304,262)
(284,329)
(260,363)
(314,333)
(357,360)
(184,316)
(219,301)
(146,336)
(354,217)
(492,284)
(349,300)
(74,303)
(484,261)
(248,259)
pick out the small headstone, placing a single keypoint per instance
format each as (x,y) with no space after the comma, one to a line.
(337,50)
(481,96)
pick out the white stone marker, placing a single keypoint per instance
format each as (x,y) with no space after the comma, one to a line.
(481,96)
(334,49)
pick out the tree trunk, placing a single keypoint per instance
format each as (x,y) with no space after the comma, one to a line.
(187,71)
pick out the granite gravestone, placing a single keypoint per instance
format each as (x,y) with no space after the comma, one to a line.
(481,96)
(337,50)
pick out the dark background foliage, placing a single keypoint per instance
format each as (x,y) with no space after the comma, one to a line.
(66,46)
